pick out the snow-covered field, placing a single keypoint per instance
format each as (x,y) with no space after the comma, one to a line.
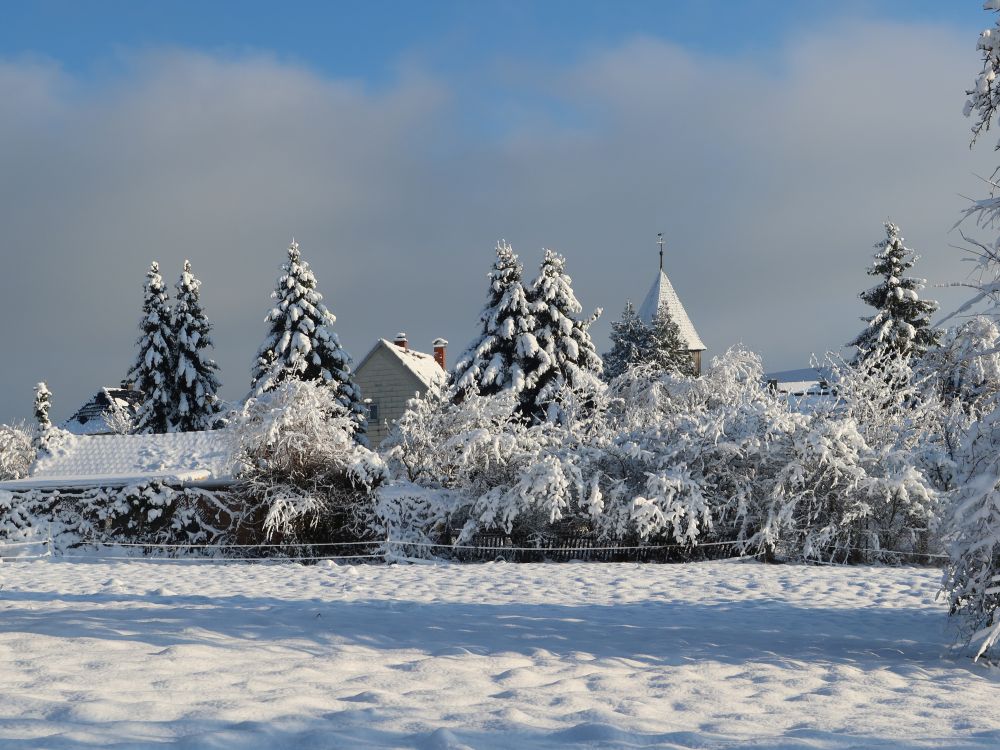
(702,655)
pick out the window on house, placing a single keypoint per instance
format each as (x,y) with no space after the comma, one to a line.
(372,412)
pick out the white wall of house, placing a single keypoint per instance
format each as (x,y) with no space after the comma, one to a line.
(389,384)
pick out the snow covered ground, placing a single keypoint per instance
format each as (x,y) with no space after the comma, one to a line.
(702,655)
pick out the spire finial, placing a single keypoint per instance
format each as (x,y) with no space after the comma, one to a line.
(660,241)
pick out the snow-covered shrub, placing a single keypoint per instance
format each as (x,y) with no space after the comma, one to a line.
(479,453)
(303,477)
(147,513)
(16,451)
(639,459)
(854,478)
(966,365)
(973,537)
(689,458)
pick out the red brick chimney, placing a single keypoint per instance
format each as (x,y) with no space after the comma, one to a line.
(401,341)
(440,351)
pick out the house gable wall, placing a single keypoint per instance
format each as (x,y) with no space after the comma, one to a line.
(389,385)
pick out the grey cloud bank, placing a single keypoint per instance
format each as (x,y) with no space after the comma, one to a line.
(771,186)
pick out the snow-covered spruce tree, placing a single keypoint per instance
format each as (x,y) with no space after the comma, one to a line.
(301,343)
(193,386)
(43,403)
(668,351)
(565,357)
(153,371)
(494,361)
(629,343)
(902,321)
(46,436)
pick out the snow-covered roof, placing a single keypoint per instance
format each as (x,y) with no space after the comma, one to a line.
(804,381)
(662,293)
(92,417)
(78,461)
(423,366)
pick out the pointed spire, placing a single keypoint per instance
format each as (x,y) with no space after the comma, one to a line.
(659,241)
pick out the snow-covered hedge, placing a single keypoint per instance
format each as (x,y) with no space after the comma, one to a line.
(672,459)
(150,514)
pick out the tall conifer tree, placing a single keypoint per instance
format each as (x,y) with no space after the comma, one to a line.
(566,356)
(301,343)
(901,323)
(153,370)
(195,405)
(494,361)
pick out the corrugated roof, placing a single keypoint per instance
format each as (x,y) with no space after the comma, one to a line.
(118,460)
(662,292)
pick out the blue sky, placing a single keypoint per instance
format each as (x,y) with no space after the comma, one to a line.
(399,141)
(367,40)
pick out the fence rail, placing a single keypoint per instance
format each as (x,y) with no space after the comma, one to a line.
(480,548)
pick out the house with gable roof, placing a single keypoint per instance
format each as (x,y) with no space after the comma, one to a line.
(108,406)
(391,374)
(662,293)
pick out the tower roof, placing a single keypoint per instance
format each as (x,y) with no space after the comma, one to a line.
(662,293)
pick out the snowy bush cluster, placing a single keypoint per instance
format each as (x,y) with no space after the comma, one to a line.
(668,458)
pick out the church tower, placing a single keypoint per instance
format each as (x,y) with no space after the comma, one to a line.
(662,293)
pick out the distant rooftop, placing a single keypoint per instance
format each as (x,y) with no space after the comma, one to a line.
(92,417)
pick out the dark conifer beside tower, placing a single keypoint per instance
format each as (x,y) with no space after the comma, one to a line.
(668,351)
(629,343)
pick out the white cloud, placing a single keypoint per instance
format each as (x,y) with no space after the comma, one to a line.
(771,183)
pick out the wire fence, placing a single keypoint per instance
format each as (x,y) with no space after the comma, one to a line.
(483,548)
